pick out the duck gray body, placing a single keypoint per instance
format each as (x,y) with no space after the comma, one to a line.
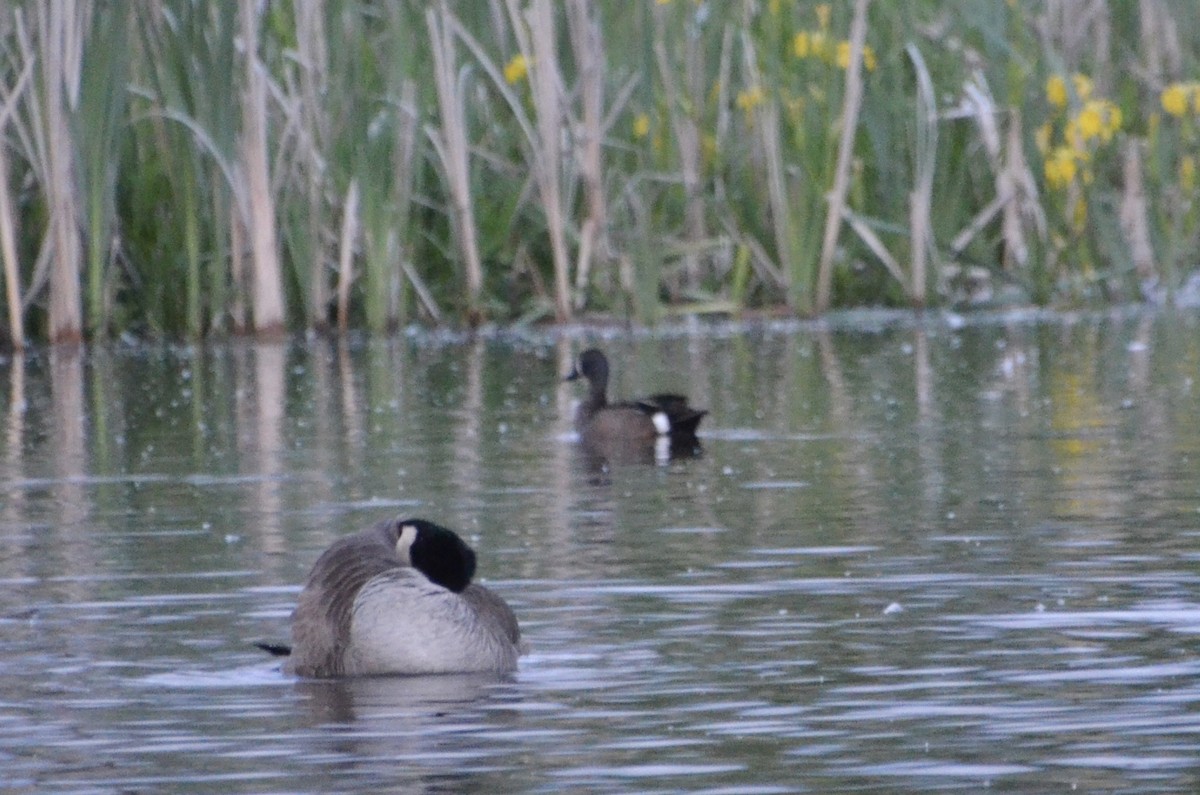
(398,599)
(645,420)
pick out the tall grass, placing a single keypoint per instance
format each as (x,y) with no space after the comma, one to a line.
(188,168)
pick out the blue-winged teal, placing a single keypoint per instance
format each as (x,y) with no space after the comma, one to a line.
(658,416)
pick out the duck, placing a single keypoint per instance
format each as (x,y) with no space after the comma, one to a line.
(397,598)
(598,422)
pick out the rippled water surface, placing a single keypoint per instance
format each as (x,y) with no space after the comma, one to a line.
(911,558)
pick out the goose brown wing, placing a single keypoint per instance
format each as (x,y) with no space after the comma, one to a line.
(321,622)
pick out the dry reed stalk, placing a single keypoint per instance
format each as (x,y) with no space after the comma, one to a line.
(267,292)
(546,83)
(687,142)
(1160,48)
(237,267)
(33,144)
(760,260)
(921,197)
(60,35)
(8,216)
(767,127)
(725,108)
(1016,190)
(403,185)
(423,293)
(8,252)
(841,179)
(1010,185)
(868,236)
(981,107)
(346,255)
(590,67)
(1024,216)
(450,143)
(978,223)
(1134,213)
(404,155)
(314,124)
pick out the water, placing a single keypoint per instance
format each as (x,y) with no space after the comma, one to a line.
(912,557)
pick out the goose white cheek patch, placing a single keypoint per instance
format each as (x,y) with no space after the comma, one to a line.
(408,534)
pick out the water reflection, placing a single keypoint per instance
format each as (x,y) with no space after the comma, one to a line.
(395,705)
(599,455)
(910,557)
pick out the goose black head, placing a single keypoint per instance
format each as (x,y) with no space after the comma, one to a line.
(436,552)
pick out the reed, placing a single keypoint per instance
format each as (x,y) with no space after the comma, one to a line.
(925,160)
(391,176)
(57,48)
(100,126)
(349,237)
(841,179)
(520,160)
(546,149)
(587,47)
(176,226)
(8,253)
(8,216)
(449,142)
(309,114)
(684,108)
(255,195)
(798,284)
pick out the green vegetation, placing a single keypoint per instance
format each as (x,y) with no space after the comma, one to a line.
(188,168)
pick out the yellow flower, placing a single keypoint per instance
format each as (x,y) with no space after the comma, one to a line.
(1074,136)
(801,44)
(1174,99)
(869,57)
(1079,213)
(1089,123)
(516,69)
(1042,137)
(1083,86)
(842,55)
(641,125)
(749,99)
(823,16)
(1061,167)
(1099,118)
(820,45)
(1187,173)
(1056,91)
(663,2)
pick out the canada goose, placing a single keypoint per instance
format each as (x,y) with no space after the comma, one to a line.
(398,599)
(657,416)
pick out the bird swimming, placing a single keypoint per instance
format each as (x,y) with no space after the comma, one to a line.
(663,415)
(397,598)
